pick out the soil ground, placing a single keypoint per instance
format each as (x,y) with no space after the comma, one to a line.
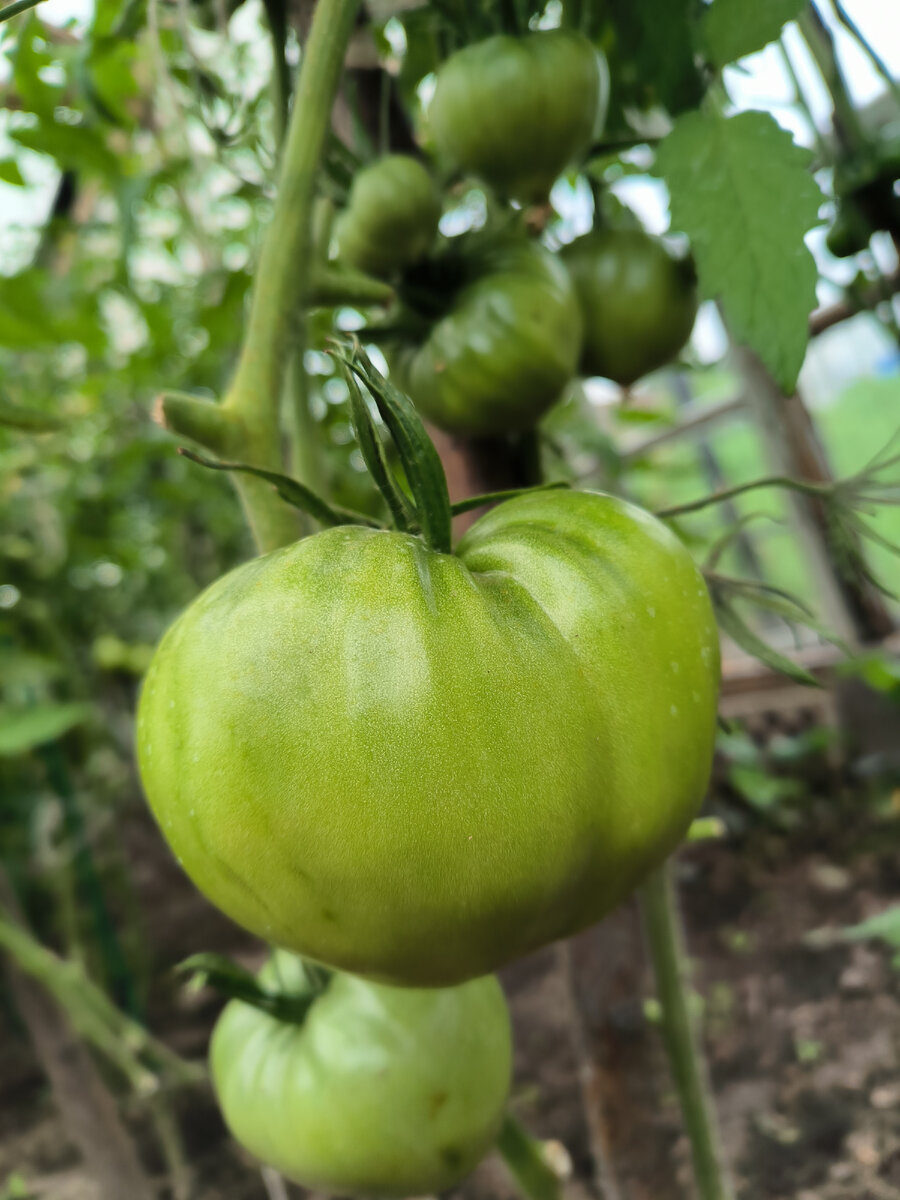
(803,1034)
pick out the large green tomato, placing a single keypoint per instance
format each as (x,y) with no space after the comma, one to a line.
(418,766)
(391,217)
(517,111)
(379,1092)
(639,302)
(501,355)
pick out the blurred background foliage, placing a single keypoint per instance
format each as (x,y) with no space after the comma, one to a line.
(144,132)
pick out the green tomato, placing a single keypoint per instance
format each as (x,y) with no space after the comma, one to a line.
(391,217)
(639,302)
(379,1092)
(517,111)
(419,766)
(501,355)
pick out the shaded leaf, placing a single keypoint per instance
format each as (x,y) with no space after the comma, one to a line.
(733,624)
(733,28)
(291,491)
(23,731)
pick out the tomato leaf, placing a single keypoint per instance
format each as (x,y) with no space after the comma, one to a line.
(733,624)
(651,55)
(420,460)
(15,417)
(741,190)
(374,456)
(463,506)
(732,29)
(21,732)
(290,490)
(10,173)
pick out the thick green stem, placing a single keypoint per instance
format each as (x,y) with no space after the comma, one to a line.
(246,425)
(659,908)
(526,1162)
(283,278)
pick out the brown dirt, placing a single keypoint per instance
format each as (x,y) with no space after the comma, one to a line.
(804,1042)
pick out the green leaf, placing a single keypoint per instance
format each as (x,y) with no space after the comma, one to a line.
(650,47)
(884,926)
(291,491)
(733,28)
(374,456)
(733,624)
(762,790)
(10,173)
(15,417)
(74,147)
(421,462)
(21,732)
(741,190)
(464,506)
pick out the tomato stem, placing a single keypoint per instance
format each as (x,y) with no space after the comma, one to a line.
(526,1162)
(246,424)
(665,938)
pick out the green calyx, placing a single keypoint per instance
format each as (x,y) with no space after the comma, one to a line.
(286,988)
(424,509)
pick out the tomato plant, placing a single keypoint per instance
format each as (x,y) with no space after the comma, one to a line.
(502,352)
(391,216)
(638,301)
(515,111)
(417,765)
(374,1091)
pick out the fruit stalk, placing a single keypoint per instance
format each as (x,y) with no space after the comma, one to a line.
(665,939)
(526,1163)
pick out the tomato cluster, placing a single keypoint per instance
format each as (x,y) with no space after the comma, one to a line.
(415,765)
(489,329)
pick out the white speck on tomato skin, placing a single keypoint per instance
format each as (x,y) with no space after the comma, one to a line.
(673,709)
(675,667)
(651,611)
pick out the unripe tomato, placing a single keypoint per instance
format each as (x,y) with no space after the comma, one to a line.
(501,355)
(517,111)
(418,766)
(639,302)
(379,1092)
(391,217)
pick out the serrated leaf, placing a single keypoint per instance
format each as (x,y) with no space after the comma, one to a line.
(732,29)
(21,732)
(741,190)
